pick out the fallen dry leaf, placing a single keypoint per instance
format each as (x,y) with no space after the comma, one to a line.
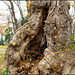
(62,55)
(55,52)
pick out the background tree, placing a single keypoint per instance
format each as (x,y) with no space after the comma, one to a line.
(21,13)
(11,9)
(8,34)
(14,20)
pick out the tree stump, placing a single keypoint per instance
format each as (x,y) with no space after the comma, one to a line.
(49,29)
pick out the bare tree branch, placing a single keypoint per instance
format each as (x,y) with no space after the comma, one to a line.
(21,13)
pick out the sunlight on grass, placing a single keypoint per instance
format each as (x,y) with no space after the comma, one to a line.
(3,47)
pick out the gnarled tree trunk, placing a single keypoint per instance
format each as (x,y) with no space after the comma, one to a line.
(48,30)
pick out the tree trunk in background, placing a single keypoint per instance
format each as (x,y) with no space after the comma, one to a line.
(21,14)
(20,9)
(13,15)
(48,30)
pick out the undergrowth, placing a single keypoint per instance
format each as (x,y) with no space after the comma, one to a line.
(4,71)
(73,44)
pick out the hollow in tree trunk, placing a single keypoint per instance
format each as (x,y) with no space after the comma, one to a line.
(47,32)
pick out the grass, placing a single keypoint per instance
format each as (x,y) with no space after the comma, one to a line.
(2,56)
(3,47)
(2,53)
(3,69)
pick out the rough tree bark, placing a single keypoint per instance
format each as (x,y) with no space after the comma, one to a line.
(48,29)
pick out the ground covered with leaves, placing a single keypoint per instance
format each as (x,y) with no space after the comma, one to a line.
(30,64)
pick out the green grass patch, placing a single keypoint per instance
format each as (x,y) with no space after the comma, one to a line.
(2,53)
(3,47)
(2,56)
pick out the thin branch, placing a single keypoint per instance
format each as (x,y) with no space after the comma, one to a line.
(7,4)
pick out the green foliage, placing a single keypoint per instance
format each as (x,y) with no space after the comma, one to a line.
(72,37)
(2,42)
(4,71)
(30,59)
(8,34)
(73,46)
(26,19)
